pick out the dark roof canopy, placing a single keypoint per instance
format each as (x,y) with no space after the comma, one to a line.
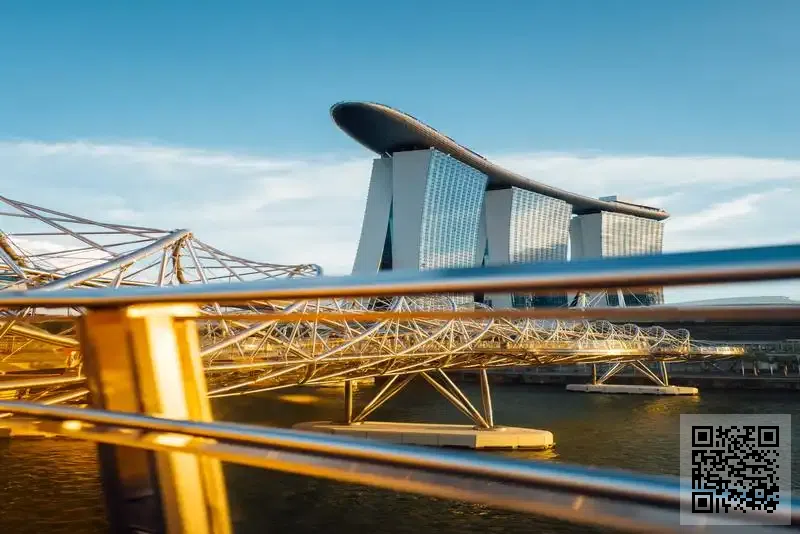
(386,130)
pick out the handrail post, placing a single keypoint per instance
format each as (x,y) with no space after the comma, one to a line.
(143,359)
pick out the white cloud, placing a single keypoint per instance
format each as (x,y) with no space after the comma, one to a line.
(295,210)
(722,212)
(53,255)
(284,211)
(639,176)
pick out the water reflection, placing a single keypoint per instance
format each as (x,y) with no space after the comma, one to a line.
(52,485)
(299,398)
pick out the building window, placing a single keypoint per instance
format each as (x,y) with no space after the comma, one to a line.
(628,235)
(450,215)
(539,231)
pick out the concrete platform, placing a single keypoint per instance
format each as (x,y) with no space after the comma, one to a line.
(633,390)
(462,436)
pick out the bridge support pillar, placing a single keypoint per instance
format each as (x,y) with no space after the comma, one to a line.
(481,434)
(661,381)
(456,397)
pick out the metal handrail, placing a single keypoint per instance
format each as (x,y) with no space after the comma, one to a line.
(617,499)
(606,497)
(708,267)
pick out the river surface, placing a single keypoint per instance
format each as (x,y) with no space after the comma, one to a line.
(52,485)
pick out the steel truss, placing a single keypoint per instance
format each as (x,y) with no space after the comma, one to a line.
(660,379)
(440,382)
(43,250)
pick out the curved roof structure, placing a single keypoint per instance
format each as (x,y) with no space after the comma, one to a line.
(386,130)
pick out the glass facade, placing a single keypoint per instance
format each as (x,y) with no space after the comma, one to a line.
(433,220)
(451,212)
(627,235)
(539,231)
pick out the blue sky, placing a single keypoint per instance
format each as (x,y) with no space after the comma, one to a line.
(147,110)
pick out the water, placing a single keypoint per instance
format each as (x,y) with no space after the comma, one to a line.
(52,485)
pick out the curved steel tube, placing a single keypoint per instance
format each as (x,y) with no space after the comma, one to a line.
(686,268)
(120,261)
(42,335)
(22,383)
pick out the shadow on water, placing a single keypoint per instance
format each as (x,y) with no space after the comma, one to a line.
(51,485)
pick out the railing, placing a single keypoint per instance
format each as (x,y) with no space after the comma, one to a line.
(160,452)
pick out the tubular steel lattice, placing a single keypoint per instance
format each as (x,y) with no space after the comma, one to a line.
(43,250)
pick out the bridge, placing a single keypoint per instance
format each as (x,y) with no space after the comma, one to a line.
(258,345)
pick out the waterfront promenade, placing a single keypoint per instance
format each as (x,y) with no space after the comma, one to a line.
(689,375)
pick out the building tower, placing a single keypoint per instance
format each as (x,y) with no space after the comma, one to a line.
(423,212)
(605,234)
(433,204)
(520,226)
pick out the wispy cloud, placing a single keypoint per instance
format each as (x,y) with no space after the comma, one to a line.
(287,211)
(722,212)
(641,176)
(300,210)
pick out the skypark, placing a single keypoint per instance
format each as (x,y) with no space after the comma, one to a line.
(386,131)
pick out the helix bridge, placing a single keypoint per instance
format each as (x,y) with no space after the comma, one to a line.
(261,345)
